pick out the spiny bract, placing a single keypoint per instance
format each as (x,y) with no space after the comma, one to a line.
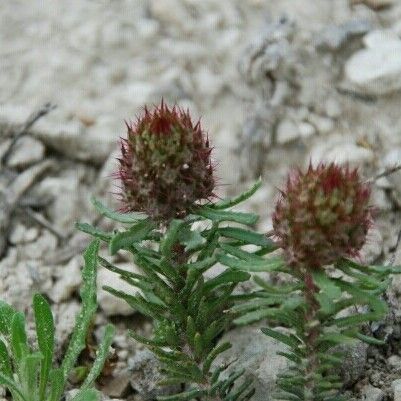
(165,166)
(323,215)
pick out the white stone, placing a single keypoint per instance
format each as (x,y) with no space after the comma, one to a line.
(338,149)
(396,387)
(370,393)
(306,130)
(333,108)
(287,131)
(379,38)
(65,192)
(394,361)
(68,282)
(26,151)
(373,247)
(20,234)
(376,71)
(44,245)
(110,304)
(392,158)
(323,125)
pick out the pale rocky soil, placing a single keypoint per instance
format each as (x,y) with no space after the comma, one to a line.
(277,84)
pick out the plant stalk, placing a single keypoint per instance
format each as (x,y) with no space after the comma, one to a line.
(312,331)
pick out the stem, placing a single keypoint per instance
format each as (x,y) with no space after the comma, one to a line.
(180,257)
(312,331)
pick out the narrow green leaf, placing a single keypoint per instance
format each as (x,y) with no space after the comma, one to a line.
(125,239)
(227,277)
(88,308)
(227,203)
(147,341)
(289,340)
(19,343)
(93,231)
(6,316)
(127,218)
(198,345)
(11,385)
(171,236)
(45,334)
(221,215)
(246,236)
(326,284)
(267,265)
(87,394)
(5,363)
(213,354)
(57,382)
(257,315)
(29,374)
(101,356)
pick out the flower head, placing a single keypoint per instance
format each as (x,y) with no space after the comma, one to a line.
(165,166)
(323,215)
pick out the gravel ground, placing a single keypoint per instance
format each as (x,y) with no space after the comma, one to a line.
(276,84)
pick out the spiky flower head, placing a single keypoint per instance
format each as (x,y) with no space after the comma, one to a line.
(323,215)
(165,166)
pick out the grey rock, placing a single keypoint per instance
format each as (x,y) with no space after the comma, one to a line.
(334,36)
(337,149)
(257,354)
(68,282)
(144,370)
(373,247)
(395,362)
(287,131)
(110,304)
(396,388)
(370,393)
(376,71)
(20,234)
(26,151)
(354,361)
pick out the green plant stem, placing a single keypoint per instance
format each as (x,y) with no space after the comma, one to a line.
(312,331)
(180,258)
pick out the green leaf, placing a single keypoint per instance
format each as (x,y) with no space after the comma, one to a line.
(369,340)
(217,350)
(88,308)
(19,343)
(256,315)
(246,236)
(29,373)
(11,385)
(266,265)
(6,317)
(227,203)
(227,277)
(327,285)
(93,231)
(127,218)
(5,363)
(101,356)
(171,236)
(221,215)
(57,382)
(289,340)
(87,394)
(125,239)
(45,334)
(192,239)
